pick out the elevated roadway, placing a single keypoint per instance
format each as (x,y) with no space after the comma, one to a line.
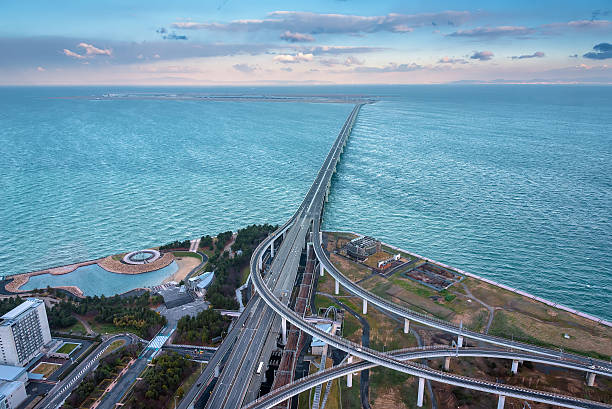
(311,381)
(308,217)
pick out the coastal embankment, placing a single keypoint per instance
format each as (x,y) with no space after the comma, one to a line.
(494,283)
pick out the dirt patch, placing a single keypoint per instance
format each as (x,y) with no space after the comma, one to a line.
(390,398)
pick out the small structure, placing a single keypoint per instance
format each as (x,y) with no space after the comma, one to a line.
(317,346)
(383,263)
(10,373)
(200,283)
(363,247)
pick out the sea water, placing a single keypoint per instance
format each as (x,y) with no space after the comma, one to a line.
(509,182)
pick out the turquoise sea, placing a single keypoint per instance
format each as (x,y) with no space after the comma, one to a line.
(510,182)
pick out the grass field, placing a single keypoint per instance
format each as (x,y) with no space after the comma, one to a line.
(187,254)
(115,345)
(67,348)
(46,368)
(77,328)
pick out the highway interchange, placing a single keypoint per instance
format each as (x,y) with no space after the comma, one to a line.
(309,214)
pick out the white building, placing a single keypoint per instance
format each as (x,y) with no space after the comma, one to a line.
(24,331)
(12,394)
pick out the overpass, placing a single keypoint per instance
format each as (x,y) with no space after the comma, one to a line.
(503,390)
(303,229)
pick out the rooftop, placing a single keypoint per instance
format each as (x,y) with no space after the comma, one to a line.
(10,373)
(21,308)
(316,342)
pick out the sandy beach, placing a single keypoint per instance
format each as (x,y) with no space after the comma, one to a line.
(186,264)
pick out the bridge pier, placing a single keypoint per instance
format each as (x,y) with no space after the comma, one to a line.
(421,390)
(590,379)
(406,326)
(460,341)
(216,371)
(272,249)
(259,263)
(447,363)
(321,270)
(349,377)
(365,306)
(501,402)
(284,331)
(514,366)
(337,289)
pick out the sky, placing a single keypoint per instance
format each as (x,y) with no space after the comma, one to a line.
(237,42)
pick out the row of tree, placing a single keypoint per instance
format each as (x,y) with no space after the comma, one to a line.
(161,381)
(201,329)
(108,368)
(228,271)
(185,244)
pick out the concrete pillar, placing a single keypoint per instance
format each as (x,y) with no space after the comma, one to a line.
(216,371)
(590,379)
(460,341)
(406,326)
(284,330)
(447,363)
(365,306)
(337,289)
(321,269)
(259,264)
(501,402)
(514,366)
(321,236)
(272,249)
(421,390)
(349,377)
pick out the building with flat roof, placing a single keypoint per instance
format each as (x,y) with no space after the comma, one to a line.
(24,331)
(317,345)
(13,373)
(12,394)
(363,247)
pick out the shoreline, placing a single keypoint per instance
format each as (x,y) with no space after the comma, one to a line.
(590,317)
(107,263)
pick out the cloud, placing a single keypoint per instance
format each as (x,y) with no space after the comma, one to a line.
(603,51)
(335,50)
(391,67)
(245,68)
(92,50)
(55,52)
(316,23)
(73,54)
(170,36)
(525,32)
(573,56)
(288,69)
(296,37)
(40,69)
(347,62)
(447,60)
(293,59)
(537,54)
(494,32)
(174,36)
(482,55)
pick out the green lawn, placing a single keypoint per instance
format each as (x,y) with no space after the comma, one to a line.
(67,348)
(187,254)
(77,328)
(115,345)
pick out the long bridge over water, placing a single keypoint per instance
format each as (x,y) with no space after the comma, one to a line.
(231,379)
